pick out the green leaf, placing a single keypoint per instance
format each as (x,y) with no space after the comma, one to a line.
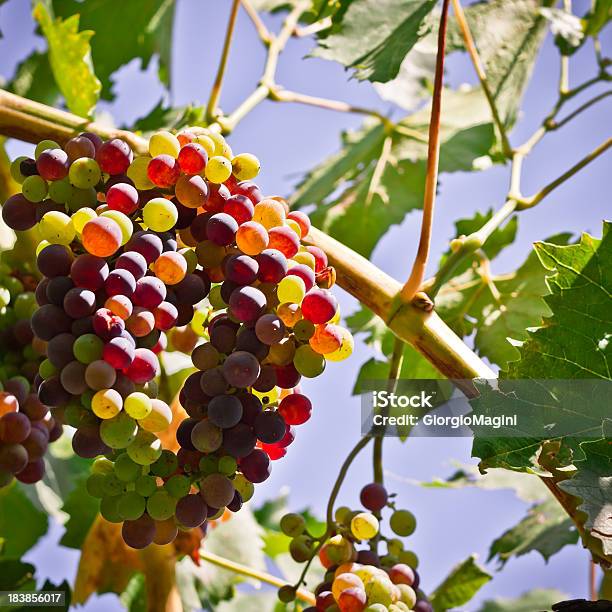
(508,36)
(464,581)
(238,539)
(527,487)
(538,599)
(64,587)
(275,543)
(137,29)
(546,529)
(82,510)
(16,575)
(592,484)
(374,36)
(70,60)
(18,536)
(599,17)
(379,184)
(34,80)
(162,116)
(134,597)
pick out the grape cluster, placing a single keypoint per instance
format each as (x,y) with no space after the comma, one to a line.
(358,579)
(26,426)
(179,242)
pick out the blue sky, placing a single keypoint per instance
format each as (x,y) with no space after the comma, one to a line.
(290,139)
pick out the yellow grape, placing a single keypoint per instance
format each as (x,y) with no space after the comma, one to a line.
(81,217)
(364,526)
(291,289)
(218,169)
(245,166)
(137,173)
(106,403)
(164,143)
(57,228)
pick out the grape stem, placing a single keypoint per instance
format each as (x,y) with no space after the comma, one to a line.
(593,580)
(417,274)
(250,572)
(260,26)
(480,72)
(215,92)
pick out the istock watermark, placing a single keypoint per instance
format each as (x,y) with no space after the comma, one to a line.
(538,409)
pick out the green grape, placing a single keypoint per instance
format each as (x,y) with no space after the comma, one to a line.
(84,173)
(34,188)
(395,547)
(303,330)
(25,304)
(178,486)
(301,548)
(402,523)
(364,526)
(81,217)
(228,465)
(56,227)
(216,515)
(245,487)
(146,485)
(408,596)
(137,173)
(16,169)
(160,214)
(308,362)
(112,485)
(5,297)
(291,289)
(161,505)
(14,286)
(60,191)
(131,506)
(343,515)
(73,414)
(43,145)
(95,485)
(245,166)
(119,432)
(150,388)
(102,466)
(126,470)
(215,299)
(287,593)
(145,449)
(208,465)
(164,143)
(88,348)
(86,397)
(82,198)
(218,169)
(109,509)
(165,465)
(46,369)
(293,525)
(409,558)
(123,221)
(378,590)
(376,608)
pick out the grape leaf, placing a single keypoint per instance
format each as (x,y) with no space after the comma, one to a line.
(527,487)
(464,581)
(499,308)
(70,60)
(546,529)
(82,510)
(538,599)
(168,117)
(575,340)
(599,17)
(134,597)
(34,80)
(592,483)
(138,29)
(16,575)
(374,36)
(368,186)
(18,536)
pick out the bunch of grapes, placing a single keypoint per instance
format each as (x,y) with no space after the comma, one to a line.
(26,426)
(358,579)
(179,242)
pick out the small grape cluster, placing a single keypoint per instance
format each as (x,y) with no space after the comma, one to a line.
(178,242)
(26,426)
(359,580)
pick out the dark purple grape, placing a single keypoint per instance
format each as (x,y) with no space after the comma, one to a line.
(14,428)
(140,533)
(373,497)
(133,262)
(13,458)
(50,320)
(247,340)
(72,378)
(183,434)
(221,229)
(52,393)
(150,292)
(57,288)
(89,271)
(148,244)
(191,511)
(241,269)
(266,381)
(223,337)
(239,441)
(251,407)
(120,282)
(33,472)
(87,443)
(192,289)
(225,411)
(241,369)
(213,382)
(270,427)
(54,260)
(256,466)
(236,504)
(79,302)
(59,350)
(19,213)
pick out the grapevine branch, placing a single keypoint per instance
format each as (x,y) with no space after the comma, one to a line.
(250,572)
(417,274)
(215,92)
(260,26)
